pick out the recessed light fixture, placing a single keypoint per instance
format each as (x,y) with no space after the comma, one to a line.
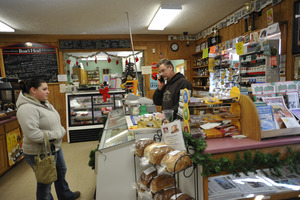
(5,28)
(164,15)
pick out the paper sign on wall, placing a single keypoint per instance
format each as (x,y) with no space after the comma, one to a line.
(146,70)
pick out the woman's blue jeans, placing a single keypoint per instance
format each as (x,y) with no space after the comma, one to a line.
(43,191)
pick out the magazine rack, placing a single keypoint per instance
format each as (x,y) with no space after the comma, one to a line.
(251,126)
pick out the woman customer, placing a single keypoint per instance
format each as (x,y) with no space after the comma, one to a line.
(35,116)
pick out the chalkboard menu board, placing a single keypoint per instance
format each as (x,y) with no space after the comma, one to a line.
(94,44)
(29,60)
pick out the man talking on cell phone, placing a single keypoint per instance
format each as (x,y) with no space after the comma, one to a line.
(169,85)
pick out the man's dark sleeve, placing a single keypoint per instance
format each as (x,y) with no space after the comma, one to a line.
(187,84)
(158,97)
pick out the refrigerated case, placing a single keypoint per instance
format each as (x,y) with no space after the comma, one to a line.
(116,167)
(114,162)
(86,113)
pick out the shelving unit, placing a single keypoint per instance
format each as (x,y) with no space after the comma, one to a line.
(225,75)
(200,73)
(93,77)
(257,67)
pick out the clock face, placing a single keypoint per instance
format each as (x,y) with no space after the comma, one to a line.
(174,46)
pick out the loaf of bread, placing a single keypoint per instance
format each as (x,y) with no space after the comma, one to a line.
(180,158)
(140,146)
(161,182)
(150,147)
(158,152)
(166,194)
(146,178)
(181,196)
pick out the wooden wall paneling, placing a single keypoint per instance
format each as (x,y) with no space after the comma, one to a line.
(2,69)
(276,12)
(3,155)
(289,54)
(283,11)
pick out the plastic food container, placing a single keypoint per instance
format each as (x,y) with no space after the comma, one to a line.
(134,108)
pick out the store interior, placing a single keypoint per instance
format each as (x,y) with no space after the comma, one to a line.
(236,133)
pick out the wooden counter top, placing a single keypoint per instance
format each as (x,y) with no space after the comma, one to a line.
(228,144)
(12,118)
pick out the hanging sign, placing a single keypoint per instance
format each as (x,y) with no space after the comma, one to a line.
(205,53)
(153,75)
(186,112)
(239,48)
(270,16)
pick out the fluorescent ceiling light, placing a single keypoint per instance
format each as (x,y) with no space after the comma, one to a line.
(164,15)
(5,28)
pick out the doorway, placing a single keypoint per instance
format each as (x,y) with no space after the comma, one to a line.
(95,63)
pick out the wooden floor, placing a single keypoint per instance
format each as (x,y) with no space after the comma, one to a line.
(19,182)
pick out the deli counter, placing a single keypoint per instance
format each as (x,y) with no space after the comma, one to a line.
(116,167)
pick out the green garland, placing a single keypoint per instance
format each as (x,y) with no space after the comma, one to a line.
(250,162)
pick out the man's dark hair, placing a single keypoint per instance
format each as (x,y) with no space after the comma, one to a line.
(165,61)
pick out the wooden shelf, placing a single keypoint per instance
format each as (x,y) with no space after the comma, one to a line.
(207,76)
(197,53)
(199,67)
(202,87)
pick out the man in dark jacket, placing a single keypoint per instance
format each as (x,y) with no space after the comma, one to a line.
(168,90)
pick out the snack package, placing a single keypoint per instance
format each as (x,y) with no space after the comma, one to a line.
(150,122)
(166,194)
(230,130)
(180,158)
(161,182)
(213,133)
(140,146)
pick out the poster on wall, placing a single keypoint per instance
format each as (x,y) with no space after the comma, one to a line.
(153,76)
(14,146)
(270,16)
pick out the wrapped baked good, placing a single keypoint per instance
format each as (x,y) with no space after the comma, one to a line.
(170,159)
(140,146)
(166,194)
(181,196)
(146,177)
(158,152)
(161,182)
(150,147)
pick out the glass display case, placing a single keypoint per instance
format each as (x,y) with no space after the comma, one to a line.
(88,109)
(114,159)
(8,96)
(86,113)
(116,135)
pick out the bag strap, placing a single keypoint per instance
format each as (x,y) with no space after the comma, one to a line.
(47,144)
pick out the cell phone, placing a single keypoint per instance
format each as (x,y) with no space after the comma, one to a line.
(161,79)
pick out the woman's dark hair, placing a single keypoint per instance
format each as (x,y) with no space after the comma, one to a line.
(165,61)
(34,82)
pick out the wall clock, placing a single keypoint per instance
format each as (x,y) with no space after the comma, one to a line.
(174,46)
